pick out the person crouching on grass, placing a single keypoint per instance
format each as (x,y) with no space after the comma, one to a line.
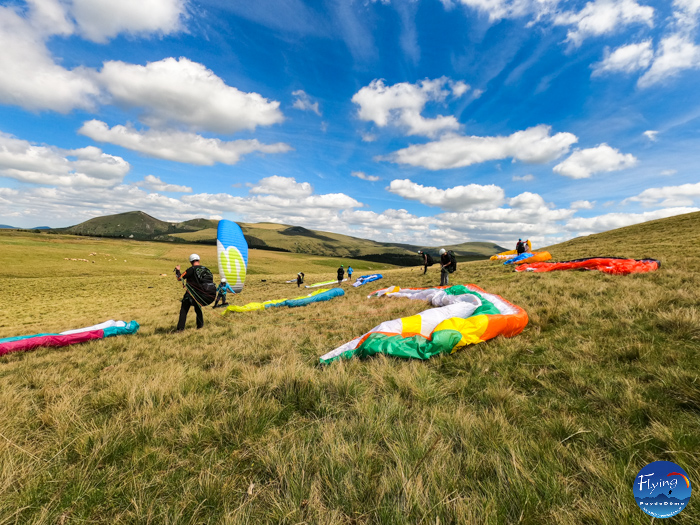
(221,292)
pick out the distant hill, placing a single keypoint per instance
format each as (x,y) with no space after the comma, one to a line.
(7,227)
(270,236)
(653,239)
(135,225)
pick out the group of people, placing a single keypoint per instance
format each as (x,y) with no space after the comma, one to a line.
(448,264)
(521,247)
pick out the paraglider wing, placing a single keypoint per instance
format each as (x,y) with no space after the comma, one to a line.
(232,254)
(611,265)
(464,315)
(367,279)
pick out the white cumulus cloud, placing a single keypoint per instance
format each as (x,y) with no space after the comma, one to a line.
(84,167)
(30,78)
(676,53)
(625,59)
(101,20)
(178,146)
(471,196)
(533,145)
(401,105)
(682,195)
(651,134)
(585,162)
(183,92)
(611,221)
(154,183)
(582,205)
(604,16)
(282,187)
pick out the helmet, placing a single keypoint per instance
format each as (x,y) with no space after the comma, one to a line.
(194,257)
(341,265)
(520,239)
(420,251)
(442,251)
(223,279)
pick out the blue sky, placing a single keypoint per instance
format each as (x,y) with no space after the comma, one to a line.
(430,121)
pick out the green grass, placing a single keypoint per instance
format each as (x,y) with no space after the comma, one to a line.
(237,423)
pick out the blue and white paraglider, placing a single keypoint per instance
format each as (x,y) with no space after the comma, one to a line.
(232,254)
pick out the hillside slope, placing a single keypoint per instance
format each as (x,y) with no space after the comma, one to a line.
(657,239)
(269,236)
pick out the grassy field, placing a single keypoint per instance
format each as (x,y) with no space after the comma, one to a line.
(237,423)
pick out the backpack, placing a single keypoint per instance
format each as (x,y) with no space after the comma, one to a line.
(429,259)
(453,262)
(206,289)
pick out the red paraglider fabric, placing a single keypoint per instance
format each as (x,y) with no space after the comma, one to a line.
(23,345)
(611,265)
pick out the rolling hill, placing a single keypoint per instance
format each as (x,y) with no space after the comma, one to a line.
(138,225)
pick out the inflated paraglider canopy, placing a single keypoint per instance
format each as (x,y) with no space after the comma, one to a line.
(110,328)
(232,254)
(304,300)
(611,265)
(464,315)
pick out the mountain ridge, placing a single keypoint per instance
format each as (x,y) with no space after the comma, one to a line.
(139,225)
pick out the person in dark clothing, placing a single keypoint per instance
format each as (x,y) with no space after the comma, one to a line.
(300,279)
(445,263)
(221,292)
(520,247)
(341,274)
(192,288)
(427,260)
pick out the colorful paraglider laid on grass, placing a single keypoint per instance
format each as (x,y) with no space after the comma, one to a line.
(611,265)
(315,297)
(24,343)
(464,315)
(529,258)
(232,254)
(504,256)
(324,283)
(364,279)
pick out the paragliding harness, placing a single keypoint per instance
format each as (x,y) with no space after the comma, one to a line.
(520,247)
(205,290)
(429,259)
(452,267)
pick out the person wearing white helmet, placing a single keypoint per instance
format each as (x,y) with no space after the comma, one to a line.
(221,292)
(200,290)
(445,262)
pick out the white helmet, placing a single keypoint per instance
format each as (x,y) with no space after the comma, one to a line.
(442,251)
(223,279)
(194,257)
(420,251)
